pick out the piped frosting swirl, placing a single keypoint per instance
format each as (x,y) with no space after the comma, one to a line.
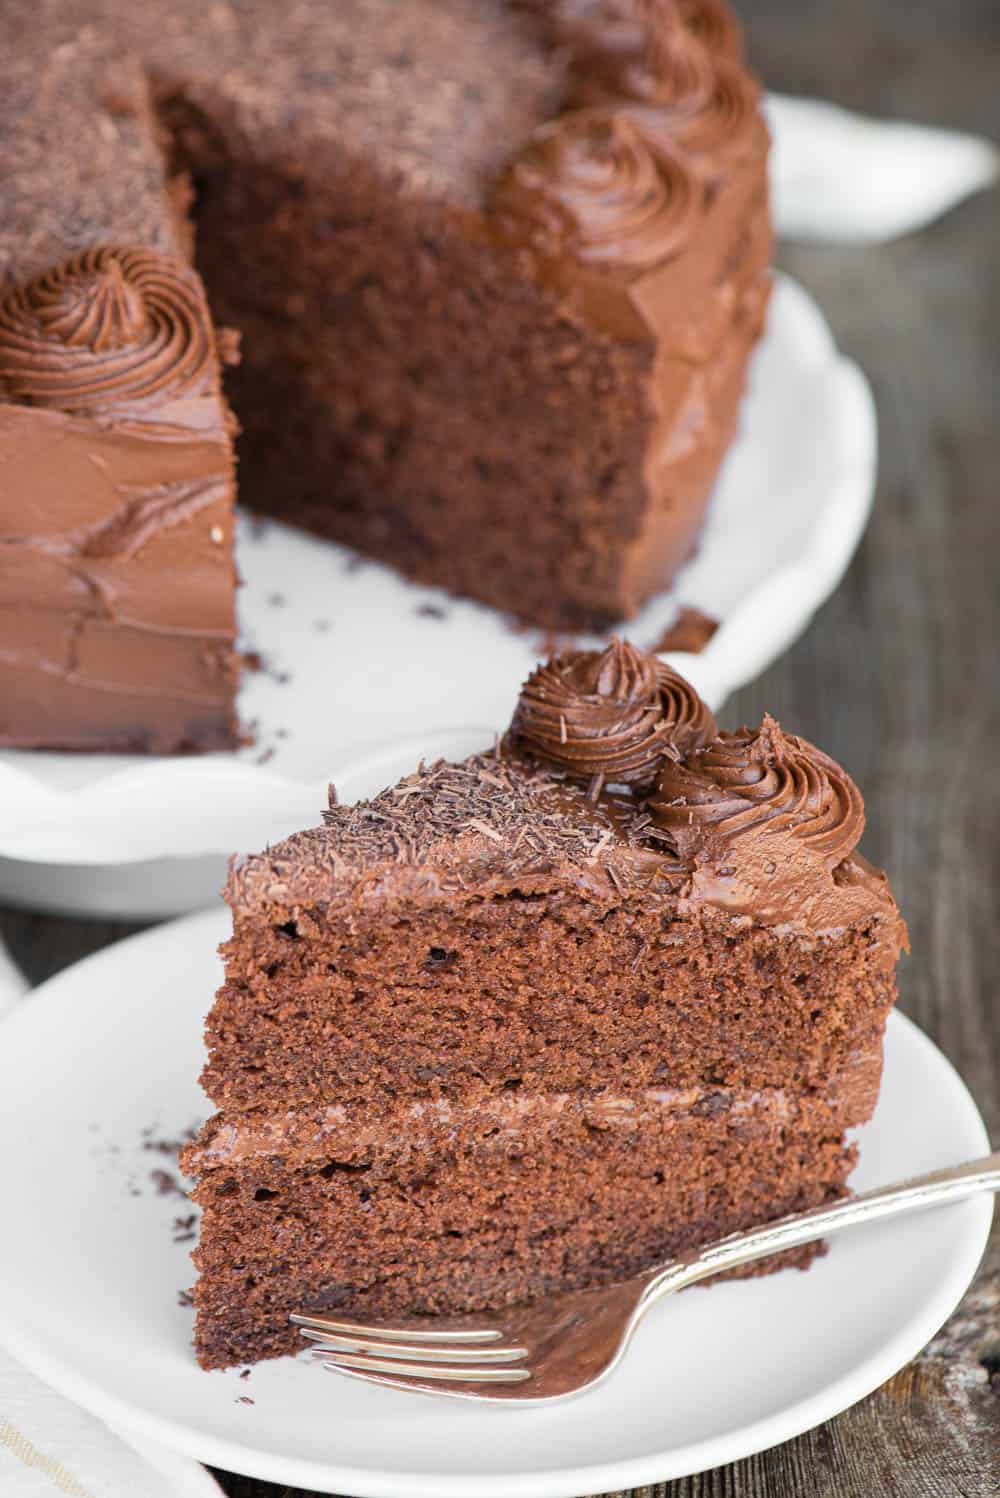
(755,785)
(672,73)
(605,26)
(111,328)
(591,185)
(729,125)
(714,24)
(616,714)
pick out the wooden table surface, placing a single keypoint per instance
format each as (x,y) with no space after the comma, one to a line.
(897,677)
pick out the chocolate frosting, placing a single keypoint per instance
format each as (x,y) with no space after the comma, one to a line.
(616,714)
(759,782)
(588,187)
(765,820)
(116,582)
(714,24)
(643,209)
(671,72)
(109,329)
(676,74)
(603,26)
(355,1132)
(621,26)
(753,826)
(728,126)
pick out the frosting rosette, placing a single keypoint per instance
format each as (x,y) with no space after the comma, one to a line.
(756,785)
(614,714)
(714,24)
(591,184)
(111,328)
(729,125)
(672,73)
(600,25)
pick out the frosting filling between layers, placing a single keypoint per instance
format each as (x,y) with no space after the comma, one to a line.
(493,1125)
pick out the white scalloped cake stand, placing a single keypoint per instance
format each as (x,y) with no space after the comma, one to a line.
(363,671)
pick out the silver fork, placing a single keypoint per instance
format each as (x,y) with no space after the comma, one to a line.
(553,1348)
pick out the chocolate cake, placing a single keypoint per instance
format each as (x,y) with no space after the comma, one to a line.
(117,587)
(539,1019)
(498,268)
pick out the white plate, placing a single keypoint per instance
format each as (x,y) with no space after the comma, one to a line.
(89,1276)
(365,666)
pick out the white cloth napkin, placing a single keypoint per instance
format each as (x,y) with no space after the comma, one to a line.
(843,178)
(49,1446)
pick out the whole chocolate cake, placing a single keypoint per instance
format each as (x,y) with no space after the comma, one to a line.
(539,1019)
(498,268)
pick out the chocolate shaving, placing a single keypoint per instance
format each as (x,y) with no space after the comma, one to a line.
(486,831)
(536,821)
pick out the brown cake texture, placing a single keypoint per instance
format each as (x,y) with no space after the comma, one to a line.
(539,1019)
(498,268)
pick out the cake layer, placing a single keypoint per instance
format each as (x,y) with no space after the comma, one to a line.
(453,422)
(546,990)
(433,1208)
(488,924)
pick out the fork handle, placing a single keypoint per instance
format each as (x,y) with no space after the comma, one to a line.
(940,1186)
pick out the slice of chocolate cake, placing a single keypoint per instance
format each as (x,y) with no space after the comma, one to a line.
(499,268)
(541,1018)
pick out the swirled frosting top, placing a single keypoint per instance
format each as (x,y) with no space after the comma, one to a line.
(658,110)
(759,782)
(615,715)
(768,826)
(590,186)
(670,71)
(620,26)
(109,330)
(714,23)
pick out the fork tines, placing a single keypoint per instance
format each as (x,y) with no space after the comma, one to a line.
(444,1354)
